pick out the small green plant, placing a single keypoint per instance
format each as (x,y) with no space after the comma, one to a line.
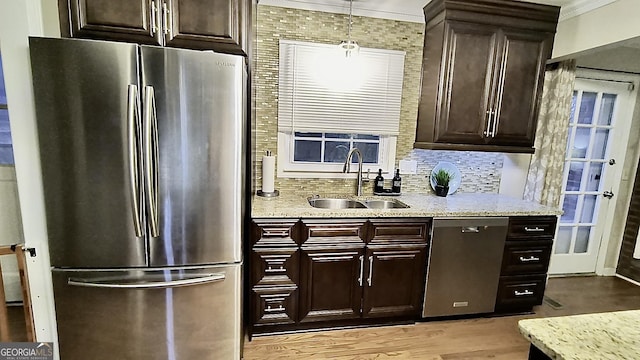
(442,177)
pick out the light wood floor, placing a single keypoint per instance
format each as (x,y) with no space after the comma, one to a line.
(17,326)
(481,338)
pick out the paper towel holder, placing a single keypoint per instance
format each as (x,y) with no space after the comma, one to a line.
(266,194)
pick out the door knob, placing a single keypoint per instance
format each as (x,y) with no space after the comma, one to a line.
(607,194)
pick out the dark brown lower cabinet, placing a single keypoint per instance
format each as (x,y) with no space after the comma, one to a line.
(525,261)
(274,290)
(343,272)
(342,284)
(394,281)
(330,283)
(275,305)
(520,293)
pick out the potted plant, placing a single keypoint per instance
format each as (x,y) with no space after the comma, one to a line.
(442,178)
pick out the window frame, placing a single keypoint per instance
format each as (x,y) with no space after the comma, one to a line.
(288,168)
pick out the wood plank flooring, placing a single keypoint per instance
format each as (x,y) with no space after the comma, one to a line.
(480,338)
(17,325)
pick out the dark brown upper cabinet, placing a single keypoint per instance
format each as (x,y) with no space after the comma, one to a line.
(482,74)
(219,25)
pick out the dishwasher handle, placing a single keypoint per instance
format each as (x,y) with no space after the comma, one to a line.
(470,229)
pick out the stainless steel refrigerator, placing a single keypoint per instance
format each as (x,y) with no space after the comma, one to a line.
(143,171)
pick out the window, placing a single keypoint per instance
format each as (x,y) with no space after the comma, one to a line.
(6,149)
(329,104)
(333,148)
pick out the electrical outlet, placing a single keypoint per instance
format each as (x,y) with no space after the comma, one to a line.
(408,167)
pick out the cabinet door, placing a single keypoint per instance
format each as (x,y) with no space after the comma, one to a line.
(330,283)
(394,281)
(519,89)
(120,20)
(466,82)
(206,24)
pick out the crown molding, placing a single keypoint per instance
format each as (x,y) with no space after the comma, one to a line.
(579,7)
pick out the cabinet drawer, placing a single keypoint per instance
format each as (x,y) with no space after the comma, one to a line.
(273,266)
(393,231)
(333,232)
(269,232)
(521,228)
(520,292)
(530,257)
(274,305)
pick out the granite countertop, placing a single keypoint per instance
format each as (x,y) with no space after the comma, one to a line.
(614,335)
(421,205)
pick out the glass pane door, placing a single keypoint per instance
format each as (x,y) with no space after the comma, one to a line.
(586,165)
(597,136)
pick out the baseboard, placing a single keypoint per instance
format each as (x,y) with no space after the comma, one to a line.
(608,272)
(627,279)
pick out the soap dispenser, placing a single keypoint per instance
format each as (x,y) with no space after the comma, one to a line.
(396,182)
(378,185)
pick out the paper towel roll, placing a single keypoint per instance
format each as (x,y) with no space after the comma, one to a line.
(268,173)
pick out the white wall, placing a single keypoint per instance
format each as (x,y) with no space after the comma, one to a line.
(605,25)
(18,20)
(10,230)
(514,174)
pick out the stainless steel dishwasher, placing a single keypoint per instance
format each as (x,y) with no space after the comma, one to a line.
(465,257)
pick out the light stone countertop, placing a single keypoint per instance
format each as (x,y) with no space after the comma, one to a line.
(613,335)
(421,205)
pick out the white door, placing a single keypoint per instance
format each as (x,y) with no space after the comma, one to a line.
(597,138)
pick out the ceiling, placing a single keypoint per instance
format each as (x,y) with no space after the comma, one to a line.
(405,10)
(621,56)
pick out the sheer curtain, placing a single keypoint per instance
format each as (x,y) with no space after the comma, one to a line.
(544,180)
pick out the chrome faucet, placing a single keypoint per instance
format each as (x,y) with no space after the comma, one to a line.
(347,167)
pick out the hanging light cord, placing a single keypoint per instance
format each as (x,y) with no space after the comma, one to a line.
(350,21)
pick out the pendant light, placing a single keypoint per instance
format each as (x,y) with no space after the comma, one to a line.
(349,47)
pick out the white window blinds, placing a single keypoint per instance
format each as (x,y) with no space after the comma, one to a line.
(320,90)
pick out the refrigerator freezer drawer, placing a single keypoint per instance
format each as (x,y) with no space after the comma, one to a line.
(172,313)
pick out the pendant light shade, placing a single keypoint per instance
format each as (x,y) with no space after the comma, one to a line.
(349,47)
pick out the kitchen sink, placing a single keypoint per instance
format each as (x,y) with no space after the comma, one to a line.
(330,203)
(385,204)
(336,203)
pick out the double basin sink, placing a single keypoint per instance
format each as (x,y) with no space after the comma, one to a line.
(332,203)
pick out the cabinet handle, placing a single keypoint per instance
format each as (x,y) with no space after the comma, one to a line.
(361,270)
(524,293)
(275,232)
(494,123)
(154,9)
(470,229)
(370,270)
(498,109)
(167,19)
(489,119)
(535,229)
(530,258)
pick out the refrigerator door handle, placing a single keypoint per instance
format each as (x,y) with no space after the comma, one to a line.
(132,140)
(151,157)
(145,283)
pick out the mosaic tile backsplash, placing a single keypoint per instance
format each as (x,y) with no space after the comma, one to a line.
(480,171)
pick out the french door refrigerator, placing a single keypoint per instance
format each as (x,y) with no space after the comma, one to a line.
(143,170)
